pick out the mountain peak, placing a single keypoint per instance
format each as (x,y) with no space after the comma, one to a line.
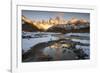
(57,23)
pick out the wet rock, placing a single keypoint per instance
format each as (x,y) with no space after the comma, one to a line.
(80,53)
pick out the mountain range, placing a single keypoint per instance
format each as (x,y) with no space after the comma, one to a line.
(55,25)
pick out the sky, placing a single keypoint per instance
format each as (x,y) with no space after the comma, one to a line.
(46,15)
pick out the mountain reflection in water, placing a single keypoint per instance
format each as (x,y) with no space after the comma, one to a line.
(49,46)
